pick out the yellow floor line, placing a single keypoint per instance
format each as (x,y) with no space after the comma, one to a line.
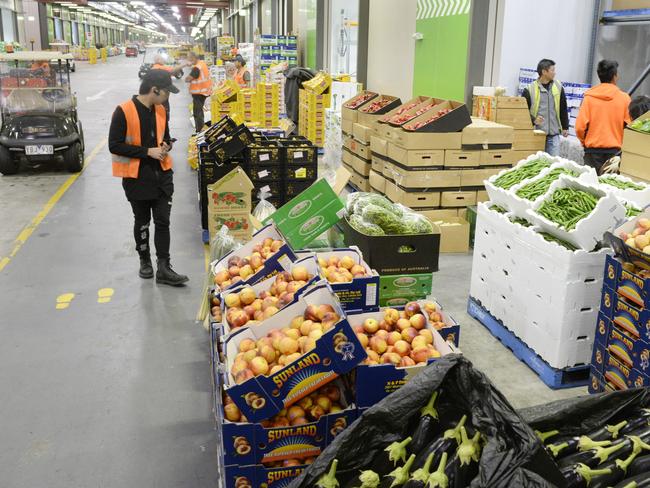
(31,227)
(104,295)
(63,301)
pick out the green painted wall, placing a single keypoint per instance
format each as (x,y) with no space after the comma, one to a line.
(310,38)
(441,56)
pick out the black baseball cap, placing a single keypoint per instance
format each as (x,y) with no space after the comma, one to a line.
(160,78)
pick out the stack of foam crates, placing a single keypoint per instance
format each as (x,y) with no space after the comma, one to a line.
(621,356)
(542,292)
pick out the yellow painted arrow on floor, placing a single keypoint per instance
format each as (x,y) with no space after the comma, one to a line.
(63,301)
(104,295)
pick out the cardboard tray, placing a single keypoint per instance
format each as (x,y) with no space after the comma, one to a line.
(422,108)
(403,108)
(454,121)
(337,352)
(393,102)
(633,255)
(588,232)
(383,253)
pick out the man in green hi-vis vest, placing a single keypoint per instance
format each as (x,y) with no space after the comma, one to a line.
(547,104)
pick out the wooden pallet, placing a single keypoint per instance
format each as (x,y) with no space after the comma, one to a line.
(570,377)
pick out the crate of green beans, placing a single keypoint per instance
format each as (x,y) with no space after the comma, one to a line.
(629,190)
(577,213)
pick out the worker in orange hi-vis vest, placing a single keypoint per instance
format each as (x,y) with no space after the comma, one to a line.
(140,144)
(200,88)
(242,76)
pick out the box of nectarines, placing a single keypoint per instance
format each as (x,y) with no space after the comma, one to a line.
(355,284)
(275,364)
(248,305)
(265,255)
(628,280)
(399,344)
(631,240)
(275,475)
(301,431)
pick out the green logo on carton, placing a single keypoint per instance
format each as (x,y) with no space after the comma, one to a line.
(300,209)
(405,282)
(311,225)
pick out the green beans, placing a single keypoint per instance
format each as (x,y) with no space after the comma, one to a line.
(535,189)
(520,221)
(552,238)
(517,175)
(616,183)
(497,208)
(568,206)
(631,210)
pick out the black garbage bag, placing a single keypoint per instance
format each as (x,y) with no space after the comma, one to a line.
(577,416)
(513,455)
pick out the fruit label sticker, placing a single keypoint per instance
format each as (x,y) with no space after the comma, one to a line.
(300,173)
(297,154)
(263,174)
(264,156)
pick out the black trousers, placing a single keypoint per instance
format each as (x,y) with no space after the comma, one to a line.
(198,101)
(597,160)
(142,212)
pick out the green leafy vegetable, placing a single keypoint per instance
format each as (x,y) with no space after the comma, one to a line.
(367,228)
(641,125)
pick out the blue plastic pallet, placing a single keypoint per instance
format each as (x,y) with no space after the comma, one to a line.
(552,377)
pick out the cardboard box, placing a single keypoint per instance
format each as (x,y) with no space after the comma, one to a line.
(377,164)
(476,177)
(635,165)
(349,111)
(378,145)
(385,253)
(454,235)
(260,476)
(457,198)
(387,103)
(361,150)
(416,178)
(454,121)
(630,4)
(483,134)
(409,286)
(309,214)
(308,373)
(377,182)
(482,196)
(632,351)
(346,126)
(413,199)
(411,105)
(497,157)
(459,159)
(486,106)
(517,118)
(361,133)
(423,140)
(416,158)
(229,204)
(360,182)
(529,140)
(438,214)
(346,157)
(631,286)
(360,166)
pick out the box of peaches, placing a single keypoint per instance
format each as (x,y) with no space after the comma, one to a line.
(398,344)
(298,432)
(303,346)
(263,256)
(355,284)
(631,240)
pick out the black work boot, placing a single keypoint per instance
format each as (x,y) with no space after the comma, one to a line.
(167,275)
(146,268)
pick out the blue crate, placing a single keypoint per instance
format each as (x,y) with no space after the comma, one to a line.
(552,377)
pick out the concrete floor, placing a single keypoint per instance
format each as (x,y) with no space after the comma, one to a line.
(117,394)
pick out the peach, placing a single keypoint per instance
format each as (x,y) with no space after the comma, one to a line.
(269,312)
(294,412)
(645,223)
(428,336)
(258,315)
(419,341)
(300,273)
(370,326)
(233,271)
(430,307)
(324,402)
(232,412)
(333,393)
(378,345)
(316,326)
(288,345)
(239,365)
(250,311)
(382,334)
(406,362)
(250,355)
(315,334)
(402,348)
(420,355)
(275,369)
(243,376)
(280,288)
(306,327)
(306,403)
(411,308)
(269,302)
(383,325)
(391,316)
(296,322)
(357,269)
(333,261)
(238,318)
(221,276)
(246,271)
(391,358)
(232,300)
(293,333)
(293,357)
(308,345)
(311,313)
(363,339)
(268,353)
(403,324)
(409,334)
(276,245)
(641,241)
(257,304)
(246,345)
(393,337)
(372,355)
(347,262)
(418,322)
(259,366)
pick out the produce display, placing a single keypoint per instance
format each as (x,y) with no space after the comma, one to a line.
(435,317)
(614,455)
(341,270)
(631,210)
(518,174)
(535,189)
(641,125)
(373,214)
(399,111)
(246,308)
(557,240)
(215,306)
(621,184)
(281,347)
(240,268)
(402,117)
(639,238)
(416,125)
(359,100)
(568,206)
(376,105)
(400,338)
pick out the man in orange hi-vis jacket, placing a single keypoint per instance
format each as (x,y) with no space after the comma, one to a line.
(200,88)
(139,142)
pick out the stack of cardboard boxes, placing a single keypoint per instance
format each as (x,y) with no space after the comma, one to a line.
(259,106)
(249,105)
(436,167)
(635,161)
(224,101)
(268,100)
(314,98)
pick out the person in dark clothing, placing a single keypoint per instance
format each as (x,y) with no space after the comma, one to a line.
(140,143)
(295,77)
(638,106)
(547,104)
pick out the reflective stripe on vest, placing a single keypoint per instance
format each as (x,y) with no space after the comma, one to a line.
(534,91)
(125,167)
(203,84)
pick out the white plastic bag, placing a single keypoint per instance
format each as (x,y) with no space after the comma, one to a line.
(264,209)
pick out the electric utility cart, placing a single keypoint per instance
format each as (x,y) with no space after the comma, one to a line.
(168,54)
(38,112)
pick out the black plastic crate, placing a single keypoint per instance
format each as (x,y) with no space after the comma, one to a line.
(222,127)
(233,144)
(294,187)
(299,150)
(301,172)
(264,152)
(265,172)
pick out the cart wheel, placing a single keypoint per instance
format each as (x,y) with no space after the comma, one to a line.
(81,136)
(8,164)
(74,158)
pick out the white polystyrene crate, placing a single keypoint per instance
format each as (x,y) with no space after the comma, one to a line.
(639,197)
(562,322)
(503,197)
(560,353)
(518,205)
(589,231)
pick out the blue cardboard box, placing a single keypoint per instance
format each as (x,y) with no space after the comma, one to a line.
(602,329)
(621,376)
(631,286)
(362,293)
(631,351)
(337,351)
(275,263)
(598,357)
(607,298)
(259,476)
(634,321)
(374,382)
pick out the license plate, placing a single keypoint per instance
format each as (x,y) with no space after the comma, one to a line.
(38,150)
